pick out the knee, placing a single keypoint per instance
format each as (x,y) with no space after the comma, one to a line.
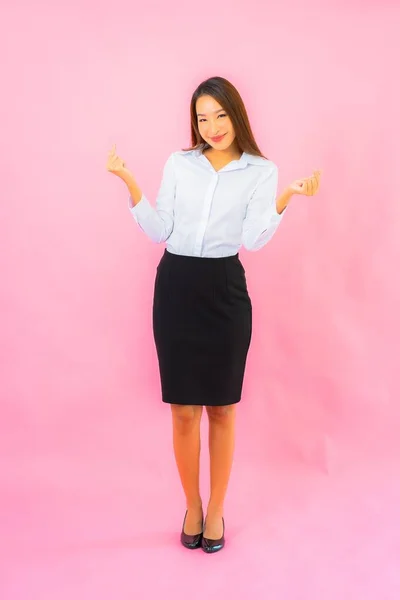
(221,414)
(186,417)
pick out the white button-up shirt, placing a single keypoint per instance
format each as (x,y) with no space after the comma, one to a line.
(207,213)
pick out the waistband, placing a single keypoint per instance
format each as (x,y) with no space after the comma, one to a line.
(184,258)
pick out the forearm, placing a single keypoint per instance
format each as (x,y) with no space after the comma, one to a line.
(134,191)
(283,200)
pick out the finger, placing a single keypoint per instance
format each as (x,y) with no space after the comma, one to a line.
(315,185)
(312,185)
(314,188)
(308,184)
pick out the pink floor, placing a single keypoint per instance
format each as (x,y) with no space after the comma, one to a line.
(98,517)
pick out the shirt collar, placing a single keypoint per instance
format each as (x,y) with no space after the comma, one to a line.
(241,163)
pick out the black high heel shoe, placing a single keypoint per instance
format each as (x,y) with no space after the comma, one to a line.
(212,546)
(192,542)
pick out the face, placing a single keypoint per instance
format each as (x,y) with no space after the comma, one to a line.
(214,124)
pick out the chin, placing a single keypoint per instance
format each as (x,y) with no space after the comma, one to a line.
(223,146)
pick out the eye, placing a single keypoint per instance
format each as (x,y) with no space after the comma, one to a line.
(221,115)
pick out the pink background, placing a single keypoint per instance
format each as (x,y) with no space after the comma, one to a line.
(91,506)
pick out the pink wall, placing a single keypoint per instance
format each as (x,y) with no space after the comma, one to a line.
(80,389)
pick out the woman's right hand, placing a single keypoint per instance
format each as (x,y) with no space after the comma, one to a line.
(116,165)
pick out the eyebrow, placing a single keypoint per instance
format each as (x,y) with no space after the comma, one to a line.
(215,111)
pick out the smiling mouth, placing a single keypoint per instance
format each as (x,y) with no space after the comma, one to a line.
(219,138)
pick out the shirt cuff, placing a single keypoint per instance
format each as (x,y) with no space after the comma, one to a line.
(275,216)
(141,210)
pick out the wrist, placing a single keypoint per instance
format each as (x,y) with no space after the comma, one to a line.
(284,200)
(127,177)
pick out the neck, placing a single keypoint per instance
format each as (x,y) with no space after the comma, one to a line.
(232,152)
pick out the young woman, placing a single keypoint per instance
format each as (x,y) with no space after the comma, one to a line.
(216,196)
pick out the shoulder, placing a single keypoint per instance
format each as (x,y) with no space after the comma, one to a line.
(185,154)
(179,158)
(265,166)
(263,170)
(176,155)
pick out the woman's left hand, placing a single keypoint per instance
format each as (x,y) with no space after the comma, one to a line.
(308,186)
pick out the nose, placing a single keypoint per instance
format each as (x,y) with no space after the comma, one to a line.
(214,131)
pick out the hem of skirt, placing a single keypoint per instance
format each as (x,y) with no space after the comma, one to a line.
(197,403)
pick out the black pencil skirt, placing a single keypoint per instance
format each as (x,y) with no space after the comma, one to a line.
(202,324)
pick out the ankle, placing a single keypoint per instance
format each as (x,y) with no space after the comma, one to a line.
(195,505)
(215,510)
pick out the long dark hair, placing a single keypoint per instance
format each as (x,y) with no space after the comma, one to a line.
(230,100)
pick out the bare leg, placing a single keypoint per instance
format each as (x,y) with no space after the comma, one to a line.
(186,440)
(221,445)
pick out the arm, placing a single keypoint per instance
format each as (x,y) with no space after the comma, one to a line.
(264,212)
(157,223)
(283,200)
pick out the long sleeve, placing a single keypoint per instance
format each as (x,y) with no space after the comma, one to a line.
(158,222)
(262,219)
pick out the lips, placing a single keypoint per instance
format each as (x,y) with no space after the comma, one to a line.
(218,139)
